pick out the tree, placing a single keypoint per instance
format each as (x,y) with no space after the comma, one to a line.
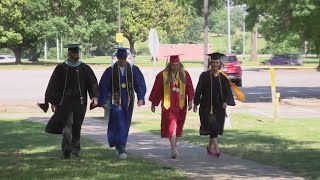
(12,27)
(140,15)
(193,33)
(187,6)
(285,19)
(218,20)
(26,23)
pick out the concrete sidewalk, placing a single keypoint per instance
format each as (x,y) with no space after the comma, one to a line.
(193,159)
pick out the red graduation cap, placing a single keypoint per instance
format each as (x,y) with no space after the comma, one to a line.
(174,58)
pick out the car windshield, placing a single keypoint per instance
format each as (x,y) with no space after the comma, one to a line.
(229,59)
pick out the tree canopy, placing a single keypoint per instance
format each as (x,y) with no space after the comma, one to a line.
(139,16)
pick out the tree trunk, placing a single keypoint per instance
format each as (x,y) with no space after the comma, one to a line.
(254,33)
(33,57)
(17,53)
(132,50)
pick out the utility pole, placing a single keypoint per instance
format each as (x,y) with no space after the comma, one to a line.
(206,29)
(244,8)
(58,49)
(229,31)
(119,19)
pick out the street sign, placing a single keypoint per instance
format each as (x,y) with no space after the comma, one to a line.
(119,37)
(153,43)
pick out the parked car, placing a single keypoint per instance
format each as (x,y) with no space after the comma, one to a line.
(130,58)
(232,67)
(7,58)
(284,59)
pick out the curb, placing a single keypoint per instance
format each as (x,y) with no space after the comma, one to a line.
(300,102)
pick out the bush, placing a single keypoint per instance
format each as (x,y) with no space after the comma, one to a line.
(143,50)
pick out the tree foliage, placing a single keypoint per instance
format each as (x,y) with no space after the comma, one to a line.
(26,23)
(287,21)
(140,15)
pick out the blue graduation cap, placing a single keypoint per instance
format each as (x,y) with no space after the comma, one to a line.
(122,52)
(73,47)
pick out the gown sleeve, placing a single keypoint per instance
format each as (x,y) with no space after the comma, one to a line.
(93,88)
(105,86)
(139,83)
(52,94)
(229,95)
(156,94)
(189,87)
(199,90)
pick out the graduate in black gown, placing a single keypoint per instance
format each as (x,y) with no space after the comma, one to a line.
(214,94)
(67,92)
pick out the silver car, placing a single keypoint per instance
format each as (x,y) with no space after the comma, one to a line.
(7,58)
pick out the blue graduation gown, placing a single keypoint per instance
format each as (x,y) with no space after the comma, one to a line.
(120,118)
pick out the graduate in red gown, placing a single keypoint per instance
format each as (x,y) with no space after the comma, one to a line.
(173,87)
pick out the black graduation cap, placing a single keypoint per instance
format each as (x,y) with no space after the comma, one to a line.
(122,52)
(216,56)
(73,47)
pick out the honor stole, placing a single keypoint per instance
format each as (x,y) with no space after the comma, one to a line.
(116,86)
(167,91)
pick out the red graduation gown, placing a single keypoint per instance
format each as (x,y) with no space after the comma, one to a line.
(174,115)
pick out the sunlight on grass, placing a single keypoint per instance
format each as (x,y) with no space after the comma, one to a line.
(288,143)
(41,158)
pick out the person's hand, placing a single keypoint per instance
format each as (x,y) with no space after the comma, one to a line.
(153,108)
(224,105)
(140,103)
(189,105)
(105,106)
(94,102)
(195,108)
(53,108)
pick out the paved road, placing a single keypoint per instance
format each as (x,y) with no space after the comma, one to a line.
(25,85)
(28,86)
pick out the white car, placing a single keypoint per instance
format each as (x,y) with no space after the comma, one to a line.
(130,58)
(7,58)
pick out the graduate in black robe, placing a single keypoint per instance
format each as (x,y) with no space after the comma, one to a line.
(214,94)
(67,92)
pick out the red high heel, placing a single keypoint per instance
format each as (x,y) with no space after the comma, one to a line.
(210,152)
(217,154)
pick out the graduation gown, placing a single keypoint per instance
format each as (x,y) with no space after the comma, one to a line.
(120,114)
(65,88)
(221,92)
(174,115)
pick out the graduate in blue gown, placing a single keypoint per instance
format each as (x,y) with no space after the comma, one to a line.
(119,83)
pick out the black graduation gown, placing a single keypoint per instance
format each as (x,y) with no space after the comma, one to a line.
(220,94)
(66,86)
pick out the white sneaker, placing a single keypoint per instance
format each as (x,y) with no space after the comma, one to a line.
(174,153)
(117,153)
(123,156)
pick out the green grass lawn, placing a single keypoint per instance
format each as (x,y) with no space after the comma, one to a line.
(40,158)
(293,144)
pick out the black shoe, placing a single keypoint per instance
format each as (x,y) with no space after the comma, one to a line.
(75,153)
(66,153)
